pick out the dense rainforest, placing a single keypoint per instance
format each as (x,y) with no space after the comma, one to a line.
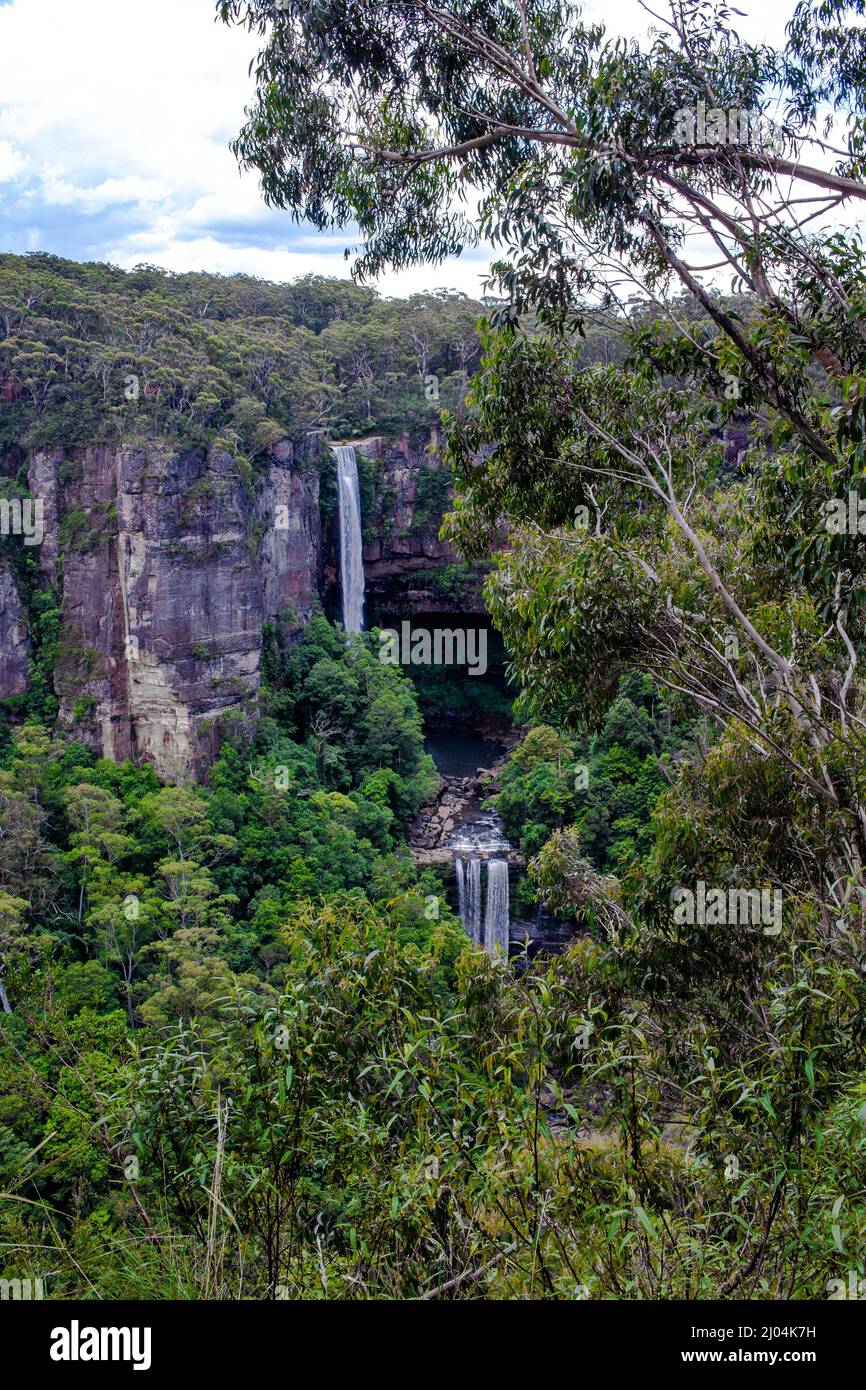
(92,352)
(249,1047)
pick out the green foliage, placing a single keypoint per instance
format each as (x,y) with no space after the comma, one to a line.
(94,353)
(143,889)
(333,1141)
(605,785)
(432,497)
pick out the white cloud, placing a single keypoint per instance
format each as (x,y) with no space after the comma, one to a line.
(115,120)
(132,189)
(121,115)
(12,162)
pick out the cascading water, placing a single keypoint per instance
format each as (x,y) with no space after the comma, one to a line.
(496,920)
(473,842)
(351,553)
(468,876)
(483,835)
(474,895)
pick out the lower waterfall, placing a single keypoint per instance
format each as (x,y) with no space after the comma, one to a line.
(474,844)
(462,904)
(351,541)
(494,936)
(496,920)
(469,895)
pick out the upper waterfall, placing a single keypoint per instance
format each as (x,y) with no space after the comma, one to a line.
(351,553)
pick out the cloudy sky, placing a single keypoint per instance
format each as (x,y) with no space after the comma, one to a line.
(115,120)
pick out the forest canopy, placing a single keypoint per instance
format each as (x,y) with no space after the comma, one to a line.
(92,353)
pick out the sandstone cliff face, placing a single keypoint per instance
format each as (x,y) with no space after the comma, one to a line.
(401,530)
(170,563)
(14,639)
(402,549)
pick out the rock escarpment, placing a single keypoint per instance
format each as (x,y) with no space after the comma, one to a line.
(14,637)
(168,563)
(407,567)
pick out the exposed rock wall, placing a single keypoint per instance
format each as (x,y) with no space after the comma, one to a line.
(169,563)
(402,550)
(14,639)
(401,532)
